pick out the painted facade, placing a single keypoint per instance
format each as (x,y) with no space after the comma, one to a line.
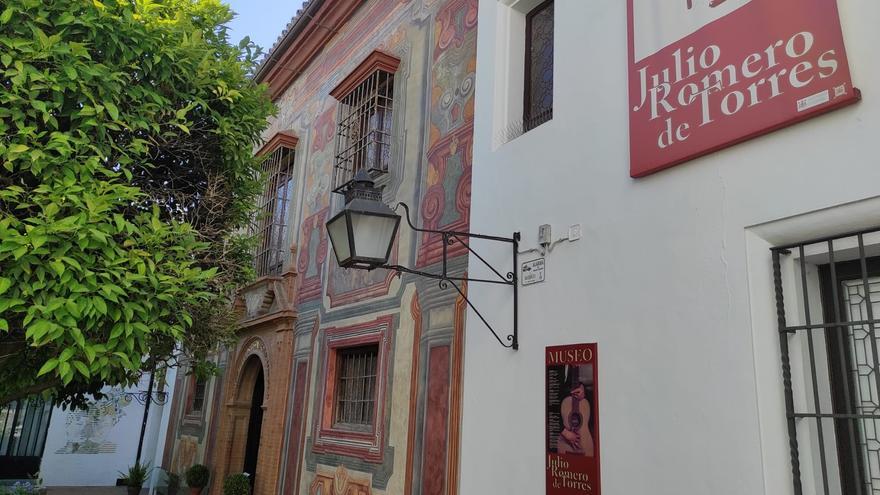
(293,321)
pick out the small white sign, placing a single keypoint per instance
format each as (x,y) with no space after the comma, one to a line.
(533,272)
(813,101)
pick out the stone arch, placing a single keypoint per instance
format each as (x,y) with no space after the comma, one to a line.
(253,352)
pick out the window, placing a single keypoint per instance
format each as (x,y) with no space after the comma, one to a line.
(271,225)
(356,385)
(538,103)
(351,415)
(198,395)
(829,344)
(364,122)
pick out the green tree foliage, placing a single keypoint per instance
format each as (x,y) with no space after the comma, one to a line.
(126,177)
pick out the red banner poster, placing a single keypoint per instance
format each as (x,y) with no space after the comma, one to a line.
(707,74)
(572,420)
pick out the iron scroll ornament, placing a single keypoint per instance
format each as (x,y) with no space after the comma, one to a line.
(445,280)
(142,396)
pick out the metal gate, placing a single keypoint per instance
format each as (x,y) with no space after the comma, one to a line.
(23,428)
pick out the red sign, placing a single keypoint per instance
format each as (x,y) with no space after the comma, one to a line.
(572,420)
(707,74)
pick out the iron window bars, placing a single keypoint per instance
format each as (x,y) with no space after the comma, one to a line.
(538,98)
(356,385)
(271,221)
(836,354)
(363,132)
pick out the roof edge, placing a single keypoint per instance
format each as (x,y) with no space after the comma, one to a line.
(306,35)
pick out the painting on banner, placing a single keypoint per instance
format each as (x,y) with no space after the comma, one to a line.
(572,423)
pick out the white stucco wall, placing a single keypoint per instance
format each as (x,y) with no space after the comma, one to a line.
(671,277)
(116,428)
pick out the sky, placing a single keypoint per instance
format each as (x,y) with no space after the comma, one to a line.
(262,20)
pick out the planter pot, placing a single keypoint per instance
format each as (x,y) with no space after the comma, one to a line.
(172,491)
(133,490)
(195,491)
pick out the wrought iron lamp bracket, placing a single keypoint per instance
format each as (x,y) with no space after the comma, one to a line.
(445,279)
(142,396)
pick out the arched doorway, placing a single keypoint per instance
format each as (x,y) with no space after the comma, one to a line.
(251,426)
(255,427)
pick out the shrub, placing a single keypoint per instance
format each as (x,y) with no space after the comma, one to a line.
(237,484)
(136,475)
(197,476)
(19,488)
(173,480)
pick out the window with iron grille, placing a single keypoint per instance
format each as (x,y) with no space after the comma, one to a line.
(538,103)
(363,130)
(271,225)
(356,385)
(828,332)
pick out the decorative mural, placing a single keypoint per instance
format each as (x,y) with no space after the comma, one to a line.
(446,204)
(339,481)
(447,201)
(86,431)
(312,256)
(351,286)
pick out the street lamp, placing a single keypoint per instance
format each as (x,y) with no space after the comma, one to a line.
(363,233)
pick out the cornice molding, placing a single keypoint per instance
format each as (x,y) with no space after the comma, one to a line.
(283,138)
(374,61)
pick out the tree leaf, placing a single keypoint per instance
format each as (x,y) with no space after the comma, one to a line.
(112,110)
(100,305)
(90,353)
(66,354)
(48,366)
(83,369)
(116,331)
(37,329)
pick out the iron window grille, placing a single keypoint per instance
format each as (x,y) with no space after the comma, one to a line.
(538,99)
(271,221)
(363,132)
(830,361)
(356,386)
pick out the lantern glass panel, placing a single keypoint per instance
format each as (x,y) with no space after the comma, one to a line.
(338,231)
(373,235)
